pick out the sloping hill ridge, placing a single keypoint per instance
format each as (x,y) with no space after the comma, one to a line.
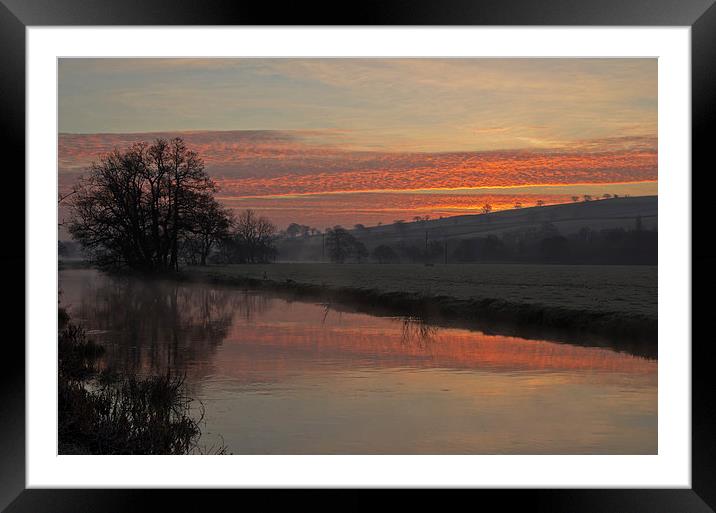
(567,218)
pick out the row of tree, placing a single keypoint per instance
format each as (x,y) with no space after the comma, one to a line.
(609,246)
(542,244)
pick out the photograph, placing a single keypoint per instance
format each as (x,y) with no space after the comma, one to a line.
(357,256)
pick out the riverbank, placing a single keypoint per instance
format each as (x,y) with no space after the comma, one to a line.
(591,302)
(101,412)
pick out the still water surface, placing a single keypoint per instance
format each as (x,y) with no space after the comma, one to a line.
(288,377)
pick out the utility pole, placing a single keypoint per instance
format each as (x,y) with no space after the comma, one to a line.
(323,247)
(426,242)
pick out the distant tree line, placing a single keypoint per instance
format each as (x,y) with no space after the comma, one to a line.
(539,244)
(295,230)
(547,245)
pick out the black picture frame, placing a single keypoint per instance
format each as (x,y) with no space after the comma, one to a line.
(700,15)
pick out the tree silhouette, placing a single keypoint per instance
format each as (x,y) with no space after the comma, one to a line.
(254,238)
(340,244)
(209,225)
(385,254)
(359,250)
(293,230)
(139,206)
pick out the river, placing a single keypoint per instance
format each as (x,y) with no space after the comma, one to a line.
(277,376)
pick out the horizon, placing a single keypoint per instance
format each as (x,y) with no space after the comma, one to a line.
(347,141)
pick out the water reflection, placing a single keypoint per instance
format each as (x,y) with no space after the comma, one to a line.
(292,377)
(150,326)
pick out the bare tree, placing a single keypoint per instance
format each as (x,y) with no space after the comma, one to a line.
(339,243)
(210,225)
(138,206)
(421,220)
(62,197)
(293,230)
(359,250)
(187,180)
(254,237)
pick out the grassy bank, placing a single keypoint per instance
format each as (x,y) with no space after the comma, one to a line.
(619,302)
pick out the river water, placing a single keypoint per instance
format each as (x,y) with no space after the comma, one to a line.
(286,377)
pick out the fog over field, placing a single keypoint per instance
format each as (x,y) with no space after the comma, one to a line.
(565,220)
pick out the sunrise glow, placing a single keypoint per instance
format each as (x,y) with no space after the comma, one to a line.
(326,142)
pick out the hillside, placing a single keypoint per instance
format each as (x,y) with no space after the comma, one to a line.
(567,219)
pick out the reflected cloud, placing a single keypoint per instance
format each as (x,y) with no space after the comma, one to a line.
(285,377)
(153,324)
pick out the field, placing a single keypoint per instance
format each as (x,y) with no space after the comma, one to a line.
(608,300)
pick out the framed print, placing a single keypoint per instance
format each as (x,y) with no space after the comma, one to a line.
(439,248)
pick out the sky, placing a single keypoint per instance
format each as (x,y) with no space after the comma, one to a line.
(344,141)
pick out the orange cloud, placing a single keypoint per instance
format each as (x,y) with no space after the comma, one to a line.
(270,169)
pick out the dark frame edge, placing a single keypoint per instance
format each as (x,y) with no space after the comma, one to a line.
(366,12)
(12,377)
(701,498)
(703,122)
